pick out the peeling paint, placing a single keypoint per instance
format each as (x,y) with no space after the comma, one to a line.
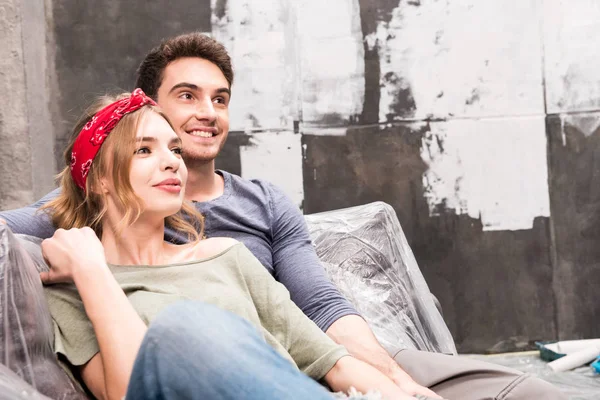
(571,36)
(488,66)
(219,8)
(260,38)
(332,60)
(277,158)
(492,169)
(587,124)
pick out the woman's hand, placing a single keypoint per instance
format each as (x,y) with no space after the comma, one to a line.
(70,252)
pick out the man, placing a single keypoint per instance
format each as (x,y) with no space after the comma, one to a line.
(190,76)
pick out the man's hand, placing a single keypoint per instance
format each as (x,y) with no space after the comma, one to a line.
(362,344)
(408,385)
(70,252)
(2,221)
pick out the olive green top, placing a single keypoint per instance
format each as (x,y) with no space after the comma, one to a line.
(234,280)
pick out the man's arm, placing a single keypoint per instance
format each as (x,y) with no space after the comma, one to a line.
(29,220)
(354,333)
(299,269)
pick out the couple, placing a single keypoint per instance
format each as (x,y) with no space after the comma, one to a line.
(190,77)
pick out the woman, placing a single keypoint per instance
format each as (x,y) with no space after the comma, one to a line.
(125,179)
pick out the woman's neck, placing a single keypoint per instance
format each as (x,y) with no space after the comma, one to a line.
(141,243)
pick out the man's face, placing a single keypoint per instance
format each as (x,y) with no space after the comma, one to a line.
(195,95)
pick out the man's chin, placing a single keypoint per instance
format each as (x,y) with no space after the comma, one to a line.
(199,159)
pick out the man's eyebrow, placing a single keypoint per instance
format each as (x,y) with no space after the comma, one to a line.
(191,86)
(224,90)
(186,85)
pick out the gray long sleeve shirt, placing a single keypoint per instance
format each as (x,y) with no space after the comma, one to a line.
(262,217)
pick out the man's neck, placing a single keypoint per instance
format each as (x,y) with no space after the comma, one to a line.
(203,183)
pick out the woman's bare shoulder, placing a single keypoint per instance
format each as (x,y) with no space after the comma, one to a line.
(213,246)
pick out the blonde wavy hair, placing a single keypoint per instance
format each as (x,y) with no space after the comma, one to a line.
(74,208)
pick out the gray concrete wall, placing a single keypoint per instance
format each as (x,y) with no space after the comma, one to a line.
(476,120)
(26,131)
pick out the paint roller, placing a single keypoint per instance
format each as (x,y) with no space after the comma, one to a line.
(575,359)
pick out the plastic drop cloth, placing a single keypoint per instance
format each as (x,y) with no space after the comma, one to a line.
(579,384)
(27,360)
(365,252)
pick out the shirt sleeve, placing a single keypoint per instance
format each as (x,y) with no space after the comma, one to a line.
(30,220)
(74,335)
(312,350)
(298,267)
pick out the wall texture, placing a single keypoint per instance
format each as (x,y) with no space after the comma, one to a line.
(26,141)
(476,120)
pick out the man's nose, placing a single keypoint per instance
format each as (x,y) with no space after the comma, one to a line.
(205,110)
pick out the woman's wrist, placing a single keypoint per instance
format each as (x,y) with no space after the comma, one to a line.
(90,272)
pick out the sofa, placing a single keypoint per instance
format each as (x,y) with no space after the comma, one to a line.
(363,250)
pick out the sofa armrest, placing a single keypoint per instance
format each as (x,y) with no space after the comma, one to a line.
(365,253)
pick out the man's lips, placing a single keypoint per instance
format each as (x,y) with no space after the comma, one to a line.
(201,131)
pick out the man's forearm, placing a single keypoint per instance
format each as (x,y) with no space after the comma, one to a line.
(355,334)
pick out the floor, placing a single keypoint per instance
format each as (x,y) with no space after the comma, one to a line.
(579,384)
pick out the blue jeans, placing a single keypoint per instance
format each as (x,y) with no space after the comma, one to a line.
(193,350)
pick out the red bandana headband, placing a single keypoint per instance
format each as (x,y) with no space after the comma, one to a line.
(94,133)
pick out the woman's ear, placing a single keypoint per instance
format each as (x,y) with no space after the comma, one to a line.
(100,186)
(104,186)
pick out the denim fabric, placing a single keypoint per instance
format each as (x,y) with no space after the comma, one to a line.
(193,350)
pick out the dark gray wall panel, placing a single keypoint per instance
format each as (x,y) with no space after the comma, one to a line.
(99,45)
(495,287)
(574,160)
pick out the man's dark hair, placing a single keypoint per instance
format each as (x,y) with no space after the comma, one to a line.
(151,70)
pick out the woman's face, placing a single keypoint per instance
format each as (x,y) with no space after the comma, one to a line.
(158,174)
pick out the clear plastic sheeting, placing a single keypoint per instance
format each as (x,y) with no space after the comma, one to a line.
(12,387)
(28,363)
(579,384)
(365,252)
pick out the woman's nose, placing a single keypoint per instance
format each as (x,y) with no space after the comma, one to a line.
(171,161)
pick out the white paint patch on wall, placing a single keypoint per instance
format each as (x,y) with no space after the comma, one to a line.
(331,60)
(461,58)
(260,38)
(571,37)
(277,158)
(492,169)
(586,123)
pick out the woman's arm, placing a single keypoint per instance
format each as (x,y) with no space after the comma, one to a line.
(313,351)
(77,256)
